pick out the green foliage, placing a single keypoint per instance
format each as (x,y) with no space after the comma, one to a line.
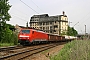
(6,35)
(10,26)
(6,44)
(14,37)
(4,7)
(75,50)
(9,37)
(71,31)
(4,16)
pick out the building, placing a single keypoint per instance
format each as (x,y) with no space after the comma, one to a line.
(18,28)
(51,24)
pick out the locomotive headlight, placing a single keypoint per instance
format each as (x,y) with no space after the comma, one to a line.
(28,38)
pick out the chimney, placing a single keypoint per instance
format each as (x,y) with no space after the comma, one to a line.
(63,13)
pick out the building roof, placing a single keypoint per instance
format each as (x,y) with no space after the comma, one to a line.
(46,18)
(41,16)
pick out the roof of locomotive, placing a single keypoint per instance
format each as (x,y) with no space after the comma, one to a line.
(34,30)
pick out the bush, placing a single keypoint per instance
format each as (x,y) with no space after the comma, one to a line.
(14,37)
(9,36)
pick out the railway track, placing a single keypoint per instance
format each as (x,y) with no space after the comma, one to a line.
(11,48)
(20,54)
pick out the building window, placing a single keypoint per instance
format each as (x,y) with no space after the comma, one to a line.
(54,30)
(55,26)
(43,28)
(62,23)
(46,28)
(65,18)
(50,22)
(50,31)
(50,27)
(35,24)
(47,23)
(55,21)
(40,23)
(43,23)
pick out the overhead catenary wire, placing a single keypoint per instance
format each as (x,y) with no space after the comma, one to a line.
(29,6)
(85,20)
(75,24)
(21,11)
(37,6)
(20,18)
(19,15)
(84,17)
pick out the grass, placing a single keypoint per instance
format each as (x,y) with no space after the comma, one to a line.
(6,44)
(75,50)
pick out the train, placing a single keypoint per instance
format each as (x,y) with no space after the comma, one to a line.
(32,36)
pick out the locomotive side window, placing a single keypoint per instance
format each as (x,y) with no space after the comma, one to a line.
(33,32)
(25,31)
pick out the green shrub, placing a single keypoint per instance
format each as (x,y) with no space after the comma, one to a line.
(15,38)
(9,36)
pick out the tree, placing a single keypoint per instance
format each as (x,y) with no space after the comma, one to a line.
(11,27)
(74,32)
(71,31)
(4,16)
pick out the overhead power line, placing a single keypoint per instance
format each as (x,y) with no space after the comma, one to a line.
(37,5)
(21,12)
(84,17)
(19,18)
(75,24)
(29,7)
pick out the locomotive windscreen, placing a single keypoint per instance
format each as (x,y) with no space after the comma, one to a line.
(25,31)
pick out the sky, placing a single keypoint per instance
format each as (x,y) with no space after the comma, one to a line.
(77,11)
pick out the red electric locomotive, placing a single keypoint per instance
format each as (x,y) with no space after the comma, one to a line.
(29,36)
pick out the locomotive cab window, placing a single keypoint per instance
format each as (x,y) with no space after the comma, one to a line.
(25,31)
(32,32)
